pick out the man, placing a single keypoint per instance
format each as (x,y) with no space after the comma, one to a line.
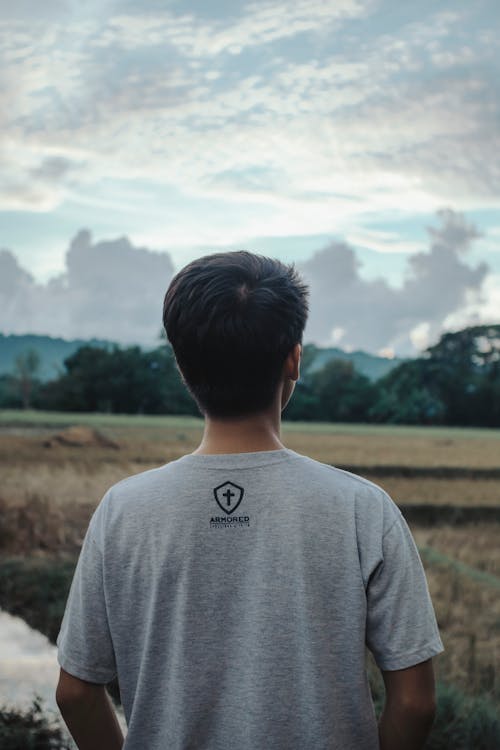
(232,592)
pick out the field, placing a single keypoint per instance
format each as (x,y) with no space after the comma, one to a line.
(48,494)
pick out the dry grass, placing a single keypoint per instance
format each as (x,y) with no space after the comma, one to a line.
(468,616)
(331,442)
(396,449)
(48,494)
(467,611)
(64,473)
(64,483)
(475,545)
(470,492)
(37,526)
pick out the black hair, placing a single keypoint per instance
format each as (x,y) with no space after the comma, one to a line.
(232,318)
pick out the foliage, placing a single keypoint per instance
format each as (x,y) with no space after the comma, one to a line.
(463,722)
(303,405)
(20,388)
(455,382)
(472,349)
(26,367)
(10,397)
(409,395)
(119,381)
(29,730)
(36,589)
(343,394)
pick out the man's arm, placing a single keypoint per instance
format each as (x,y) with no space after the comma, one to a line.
(409,709)
(88,713)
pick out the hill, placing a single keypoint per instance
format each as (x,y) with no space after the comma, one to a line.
(371,365)
(52,351)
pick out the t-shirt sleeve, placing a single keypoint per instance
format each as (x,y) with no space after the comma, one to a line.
(85,648)
(401,628)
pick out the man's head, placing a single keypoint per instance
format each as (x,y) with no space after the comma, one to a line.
(232,319)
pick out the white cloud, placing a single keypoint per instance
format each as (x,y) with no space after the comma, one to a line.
(382,241)
(376,316)
(260,23)
(337,335)
(109,289)
(478,312)
(419,335)
(114,289)
(363,123)
(387,352)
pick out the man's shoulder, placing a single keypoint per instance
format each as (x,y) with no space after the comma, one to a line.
(369,499)
(132,494)
(338,476)
(145,480)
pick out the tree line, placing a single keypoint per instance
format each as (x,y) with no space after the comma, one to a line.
(454,382)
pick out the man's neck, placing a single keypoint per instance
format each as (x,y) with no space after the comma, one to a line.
(259,432)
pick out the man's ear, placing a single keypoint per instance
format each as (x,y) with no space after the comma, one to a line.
(292,362)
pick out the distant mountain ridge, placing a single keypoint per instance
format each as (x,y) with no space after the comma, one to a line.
(53,351)
(371,365)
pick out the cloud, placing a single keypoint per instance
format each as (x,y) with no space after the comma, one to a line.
(249,25)
(373,315)
(110,289)
(52,168)
(472,313)
(350,118)
(22,8)
(12,276)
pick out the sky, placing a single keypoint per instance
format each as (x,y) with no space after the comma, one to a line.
(357,139)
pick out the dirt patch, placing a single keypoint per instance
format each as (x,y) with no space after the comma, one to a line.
(80,436)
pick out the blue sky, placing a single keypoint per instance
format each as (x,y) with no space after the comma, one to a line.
(282,128)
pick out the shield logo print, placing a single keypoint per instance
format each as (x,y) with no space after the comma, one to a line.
(228,496)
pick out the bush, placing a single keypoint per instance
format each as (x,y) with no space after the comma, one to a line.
(36,589)
(29,730)
(463,722)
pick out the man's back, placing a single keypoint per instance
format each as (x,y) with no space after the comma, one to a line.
(233,595)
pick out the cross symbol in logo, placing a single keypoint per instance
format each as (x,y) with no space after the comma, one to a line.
(228,495)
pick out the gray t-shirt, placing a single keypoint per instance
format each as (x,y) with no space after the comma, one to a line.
(233,596)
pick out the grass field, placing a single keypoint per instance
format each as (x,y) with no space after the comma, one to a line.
(48,494)
(147,441)
(34,418)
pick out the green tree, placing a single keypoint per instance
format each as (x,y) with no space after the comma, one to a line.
(119,380)
(467,374)
(344,395)
(409,395)
(303,405)
(26,367)
(454,382)
(10,396)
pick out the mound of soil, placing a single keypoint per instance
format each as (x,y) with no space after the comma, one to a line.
(80,436)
